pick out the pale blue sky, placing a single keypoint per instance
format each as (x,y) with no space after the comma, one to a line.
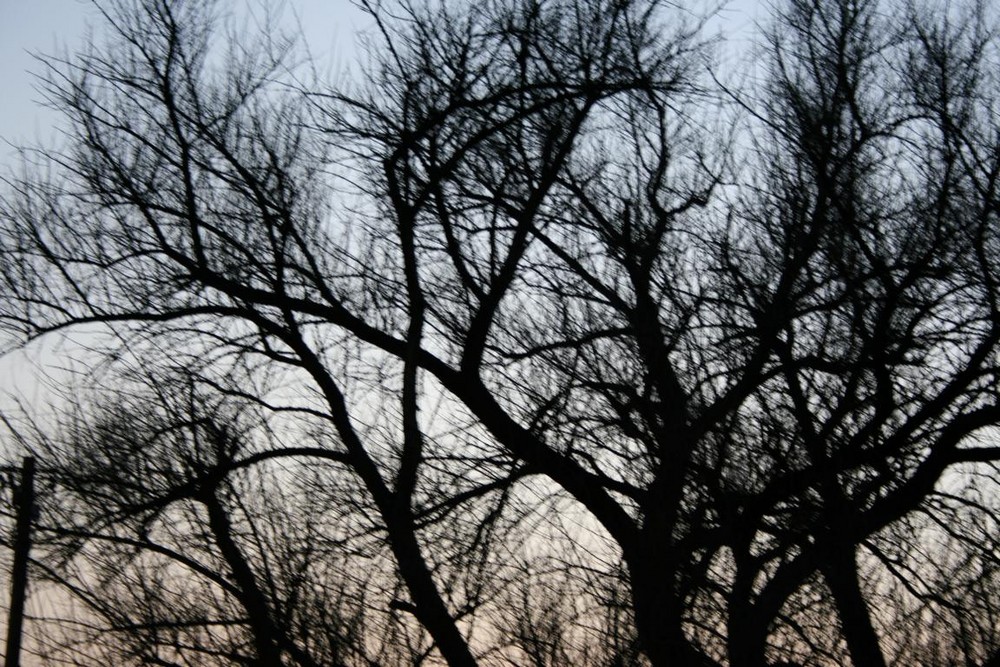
(54,26)
(31,25)
(50,26)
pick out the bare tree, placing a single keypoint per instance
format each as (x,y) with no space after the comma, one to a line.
(165,530)
(543,251)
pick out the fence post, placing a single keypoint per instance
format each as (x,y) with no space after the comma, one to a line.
(24,499)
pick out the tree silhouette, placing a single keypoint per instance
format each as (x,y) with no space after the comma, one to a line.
(544,253)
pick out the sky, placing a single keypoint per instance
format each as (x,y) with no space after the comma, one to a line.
(28,27)
(54,26)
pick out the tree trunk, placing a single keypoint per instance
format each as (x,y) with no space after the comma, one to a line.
(841,573)
(265,635)
(746,638)
(429,608)
(659,612)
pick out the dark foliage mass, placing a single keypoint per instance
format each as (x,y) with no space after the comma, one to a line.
(562,334)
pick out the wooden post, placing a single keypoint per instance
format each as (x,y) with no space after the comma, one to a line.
(25,501)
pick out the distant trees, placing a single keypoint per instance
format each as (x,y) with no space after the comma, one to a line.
(186,531)
(541,343)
